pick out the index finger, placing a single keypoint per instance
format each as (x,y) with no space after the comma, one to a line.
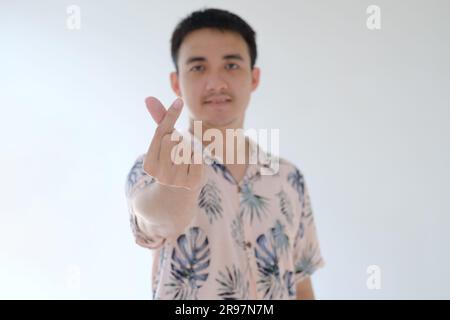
(165,120)
(156,109)
(168,122)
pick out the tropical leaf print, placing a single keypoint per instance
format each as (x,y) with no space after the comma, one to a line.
(237,231)
(232,284)
(285,205)
(300,234)
(210,201)
(189,264)
(162,257)
(281,240)
(269,250)
(308,260)
(137,178)
(307,212)
(269,281)
(301,230)
(252,204)
(298,183)
(288,280)
(256,176)
(220,168)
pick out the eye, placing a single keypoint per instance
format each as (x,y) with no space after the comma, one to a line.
(232,66)
(197,68)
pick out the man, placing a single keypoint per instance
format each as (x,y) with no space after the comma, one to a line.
(219,229)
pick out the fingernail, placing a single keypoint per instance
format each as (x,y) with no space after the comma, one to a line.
(178,104)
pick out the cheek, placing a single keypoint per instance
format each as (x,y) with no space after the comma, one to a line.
(192,94)
(241,87)
(189,89)
(243,81)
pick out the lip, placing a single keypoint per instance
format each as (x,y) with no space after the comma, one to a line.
(218,101)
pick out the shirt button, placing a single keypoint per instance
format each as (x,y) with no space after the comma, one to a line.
(248,244)
(239,188)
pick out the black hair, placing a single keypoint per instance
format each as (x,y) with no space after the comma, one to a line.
(216,19)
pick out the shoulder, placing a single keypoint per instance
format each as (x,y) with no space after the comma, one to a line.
(293,178)
(285,168)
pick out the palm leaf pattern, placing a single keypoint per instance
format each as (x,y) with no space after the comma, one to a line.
(308,260)
(298,182)
(306,217)
(237,231)
(137,178)
(232,284)
(189,265)
(307,212)
(289,283)
(252,204)
(270,248)
(162,257)
(300,234)
(219,167)
(301,230)
(210,201)
(269,273)
(280,238)
(253,178)
(285,205)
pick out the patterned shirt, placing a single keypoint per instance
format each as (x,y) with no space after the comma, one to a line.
(255,239)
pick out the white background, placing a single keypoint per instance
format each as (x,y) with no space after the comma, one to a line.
(364,113)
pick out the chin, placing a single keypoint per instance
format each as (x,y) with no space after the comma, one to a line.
(216,123)
(218,118)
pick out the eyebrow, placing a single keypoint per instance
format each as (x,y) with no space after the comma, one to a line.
(235,56)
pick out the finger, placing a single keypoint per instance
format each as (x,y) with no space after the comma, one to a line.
(195,174)
(178,153)
(153,152)
(167,148)
(151,159)
(168,122)
(158,113)
(181,174)
(184,158)
(156,109)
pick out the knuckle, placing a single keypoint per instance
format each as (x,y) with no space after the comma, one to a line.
(165,139)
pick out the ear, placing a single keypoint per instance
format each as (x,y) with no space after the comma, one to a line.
(256,72)
(175,83)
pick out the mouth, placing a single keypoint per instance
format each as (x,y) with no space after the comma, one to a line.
(217,101)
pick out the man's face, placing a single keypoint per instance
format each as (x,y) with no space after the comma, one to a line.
(215,78)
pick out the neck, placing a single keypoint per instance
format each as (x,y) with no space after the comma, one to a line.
(237,139)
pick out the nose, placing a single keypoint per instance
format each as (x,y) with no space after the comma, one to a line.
(215,83)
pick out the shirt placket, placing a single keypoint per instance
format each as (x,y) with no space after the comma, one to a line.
(251,268)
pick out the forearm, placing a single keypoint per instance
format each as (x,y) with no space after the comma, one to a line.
(305,290)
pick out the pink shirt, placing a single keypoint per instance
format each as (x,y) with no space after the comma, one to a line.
(255,239)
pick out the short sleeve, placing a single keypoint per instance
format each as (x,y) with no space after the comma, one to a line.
(307,255)
(138,179)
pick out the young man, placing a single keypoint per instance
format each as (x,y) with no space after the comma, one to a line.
(219,229)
